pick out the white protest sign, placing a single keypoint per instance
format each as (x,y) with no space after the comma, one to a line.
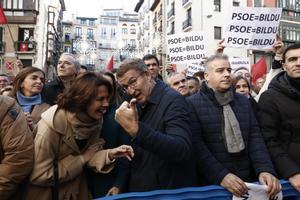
(236,63)
(257,192)
(185,47)
(252,28)
(193,68)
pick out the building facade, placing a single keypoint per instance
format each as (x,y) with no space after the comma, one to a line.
(174,17)
(97,40)
(33,34)
(84,41)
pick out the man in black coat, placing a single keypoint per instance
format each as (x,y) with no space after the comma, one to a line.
(160,131)
(67,70)
(226,137)
(280,117)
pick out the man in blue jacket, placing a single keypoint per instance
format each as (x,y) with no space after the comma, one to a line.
(158,122)
(229,147)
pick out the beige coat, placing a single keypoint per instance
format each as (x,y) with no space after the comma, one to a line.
(55,139)
(16,148)
(37,112)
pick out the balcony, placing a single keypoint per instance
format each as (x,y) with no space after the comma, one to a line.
(160,28)
(171,14)
(160,14)
(187,25)
(290,15)
(146,26)
(90,37)
(2,47)
(172,31)
(186,3)
(154,20)
(24,47)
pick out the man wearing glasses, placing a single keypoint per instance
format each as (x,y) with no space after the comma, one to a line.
(157,120)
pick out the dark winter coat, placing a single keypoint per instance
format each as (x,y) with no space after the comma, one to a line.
(114,136)
(52,90)
(213,160)
(279,117)
(163,146)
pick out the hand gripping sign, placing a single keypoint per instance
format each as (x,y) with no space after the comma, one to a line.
(257,192)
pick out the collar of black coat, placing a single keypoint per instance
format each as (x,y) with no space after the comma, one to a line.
(55,81)
(284,84)
(157,92)
(210,92)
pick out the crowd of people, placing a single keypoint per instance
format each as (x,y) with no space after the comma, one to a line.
(86,135)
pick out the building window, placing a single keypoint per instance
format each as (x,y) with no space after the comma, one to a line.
(290,33)
(132,31)
(90,34)
(113,33)
(103,32)
(217,33)
(1,40)
(1,34)
(257,3)
(291,8)
(172,29)
(25,34)
(124,31)
(83,21)
(217,4)
(236,4)
(67,49)
(132,43)
(189,13)
(78,32)
(67,37)
(92,22)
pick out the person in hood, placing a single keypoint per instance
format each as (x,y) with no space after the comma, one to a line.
(67,142)
(279,116)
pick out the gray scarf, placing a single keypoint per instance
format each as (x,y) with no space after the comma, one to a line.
(233,136)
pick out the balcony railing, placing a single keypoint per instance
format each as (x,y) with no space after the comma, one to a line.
(187,23)
(154,20)
(25,47)
(160,29)
(184,2)
(171,13)
(172,31)
(2,47)
(160,13)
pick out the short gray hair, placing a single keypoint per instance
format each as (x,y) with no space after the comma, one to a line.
(132,64)
(215,57)
(170,76)
(76,62)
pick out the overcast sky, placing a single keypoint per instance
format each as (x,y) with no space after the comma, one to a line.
(91,8)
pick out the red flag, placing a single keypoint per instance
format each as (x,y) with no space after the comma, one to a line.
(110,64)
(258,70)
(3,19)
